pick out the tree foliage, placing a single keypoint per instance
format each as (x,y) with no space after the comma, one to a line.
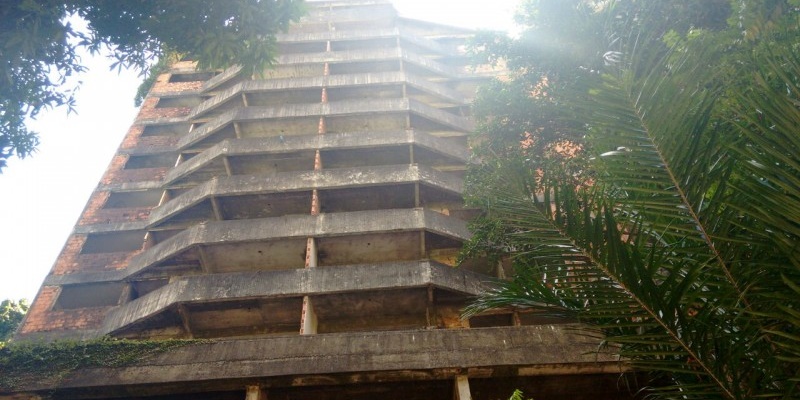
(11,314)
(40,46)
(648,184)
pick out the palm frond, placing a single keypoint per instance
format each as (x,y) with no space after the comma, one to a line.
(684,249)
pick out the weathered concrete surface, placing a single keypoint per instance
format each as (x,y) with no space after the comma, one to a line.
(544,349)
(299,282)
(308,37)
(328,81)
(111,227)
(307,180)
(350,107)
(275,145)
(292,226)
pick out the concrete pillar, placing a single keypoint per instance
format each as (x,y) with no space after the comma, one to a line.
(216,209)
(461,389)
(311,253)
(227,164)
(317,161)
(165,197)
(254,392)
(500,271)
(308,320)
(149,241)
(186,323)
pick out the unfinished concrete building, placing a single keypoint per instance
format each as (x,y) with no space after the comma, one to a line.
(307,222)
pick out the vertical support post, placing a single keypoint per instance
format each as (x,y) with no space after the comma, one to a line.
(185,321)
(216,209)
(205,265)
(311,253)
(165,197)
(317,160)
(254,392)
(461,389)
(308,319)
(127,293)
(227,164)
(422,248)
(430,310)
(237,129)
(149,241)
(500,271)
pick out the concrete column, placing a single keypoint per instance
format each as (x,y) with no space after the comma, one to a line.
(185,321)
(461,389)
(227,164)
(205,265)
(165,197)
(500,271)
(311,253)
(422,248)
(149,241)
(254,392)
(317,161)
(308,320)
(216,209)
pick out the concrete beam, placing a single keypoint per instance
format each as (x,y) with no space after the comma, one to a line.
(329,81)
(292,226)
(339,108)
(545,349)
(220,79)
(304,181)
(111,227)
(293,283)
(274,145)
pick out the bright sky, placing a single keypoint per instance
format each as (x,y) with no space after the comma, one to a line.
(42,196)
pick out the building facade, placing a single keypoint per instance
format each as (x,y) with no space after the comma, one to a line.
(307,223)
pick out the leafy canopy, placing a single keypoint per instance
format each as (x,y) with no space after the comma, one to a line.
(40,46)
(642,176)
(11,314)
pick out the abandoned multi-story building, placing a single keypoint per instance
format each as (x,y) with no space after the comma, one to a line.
(307,222)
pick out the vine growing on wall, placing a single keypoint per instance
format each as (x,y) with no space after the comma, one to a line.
(27,363)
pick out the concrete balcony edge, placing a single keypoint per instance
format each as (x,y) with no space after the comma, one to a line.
(329,81)
(531,350)
(293,283)
(340,108)
(303,181)
(267,145)
(293,226)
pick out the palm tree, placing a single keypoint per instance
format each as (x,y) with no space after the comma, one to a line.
(677,240)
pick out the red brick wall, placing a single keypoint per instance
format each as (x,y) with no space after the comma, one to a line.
(158,141)
(41,318)
(71,260)
(107,216)
(133,175)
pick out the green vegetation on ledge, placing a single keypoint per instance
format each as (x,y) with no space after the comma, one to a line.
(24,364)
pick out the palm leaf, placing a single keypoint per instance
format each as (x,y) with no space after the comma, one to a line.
(672,251)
